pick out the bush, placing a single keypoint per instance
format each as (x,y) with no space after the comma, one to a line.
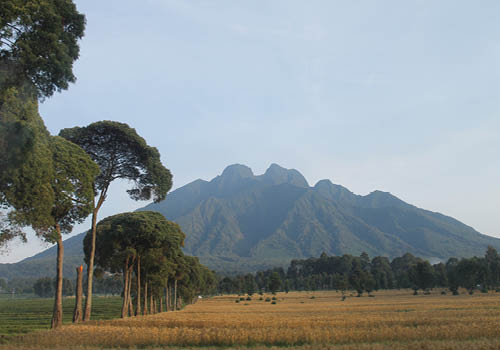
(268,299)
(274,298)
(237,301)
(242,298)
(273,302)
(261,298)
(248,299)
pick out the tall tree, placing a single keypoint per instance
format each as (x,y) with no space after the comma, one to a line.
(123,237)
(26,169)
(72,185)
(121,154)
(39,43)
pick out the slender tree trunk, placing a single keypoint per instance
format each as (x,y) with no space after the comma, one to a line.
(161,303)
(90,266)
(125,288)
(58,312)
(130,306)
(145,311)
(175,295)
(138,308)
(166,296)
(151,303)
(77,313)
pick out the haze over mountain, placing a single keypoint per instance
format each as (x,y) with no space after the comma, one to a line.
(242,222)
(239,220)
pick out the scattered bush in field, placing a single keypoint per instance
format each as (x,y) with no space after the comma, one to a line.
(268,299)
(343,297)
(261,298)
(237,301)
(273,298)
(248,299)
(313,297)
(242,298)
(371,295)
(443,292)
(273,302)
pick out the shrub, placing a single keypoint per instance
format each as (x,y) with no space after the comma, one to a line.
(268,299)
(273,302)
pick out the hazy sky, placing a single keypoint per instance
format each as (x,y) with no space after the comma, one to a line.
(399,96)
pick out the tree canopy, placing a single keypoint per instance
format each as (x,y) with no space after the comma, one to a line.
(121,154)
(26,164)
(39,43)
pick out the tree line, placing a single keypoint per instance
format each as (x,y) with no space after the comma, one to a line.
(362,274)
(50,183)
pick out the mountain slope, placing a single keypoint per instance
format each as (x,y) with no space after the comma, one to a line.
(242,222)
(239,218)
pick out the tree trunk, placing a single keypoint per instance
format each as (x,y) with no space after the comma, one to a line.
(125,288)
(145,311)
(57,314)
(90,266)
(151,303)
(175,295)
(167,298)
(161,303)
(77,313)
(130,306)
(138,308)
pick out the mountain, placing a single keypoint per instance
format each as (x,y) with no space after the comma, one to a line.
(44,263)
(242,222)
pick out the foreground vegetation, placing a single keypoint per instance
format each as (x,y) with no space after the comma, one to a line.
(22,315)
(392,319)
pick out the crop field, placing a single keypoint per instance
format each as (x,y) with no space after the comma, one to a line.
(304,320)
(25,314)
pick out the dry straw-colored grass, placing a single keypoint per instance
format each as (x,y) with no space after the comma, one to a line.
(390,320)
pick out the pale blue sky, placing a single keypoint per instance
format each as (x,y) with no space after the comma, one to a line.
(400,96)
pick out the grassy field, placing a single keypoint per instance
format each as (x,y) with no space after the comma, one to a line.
(27,313)
(320,320)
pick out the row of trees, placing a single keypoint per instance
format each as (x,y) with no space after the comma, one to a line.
(146,249)
(363,274)
(52,182)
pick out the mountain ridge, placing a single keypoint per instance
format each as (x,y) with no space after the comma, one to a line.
(239,221)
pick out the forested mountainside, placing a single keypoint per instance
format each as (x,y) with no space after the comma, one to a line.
(240,222)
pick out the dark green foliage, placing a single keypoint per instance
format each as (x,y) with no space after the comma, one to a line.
(422,275)
(121,153)
(274,282)
(73,185)
(360,274)
(27,169)
(39,43)
(128,234)
(44,287)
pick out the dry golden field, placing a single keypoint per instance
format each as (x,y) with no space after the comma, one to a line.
(305,320)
